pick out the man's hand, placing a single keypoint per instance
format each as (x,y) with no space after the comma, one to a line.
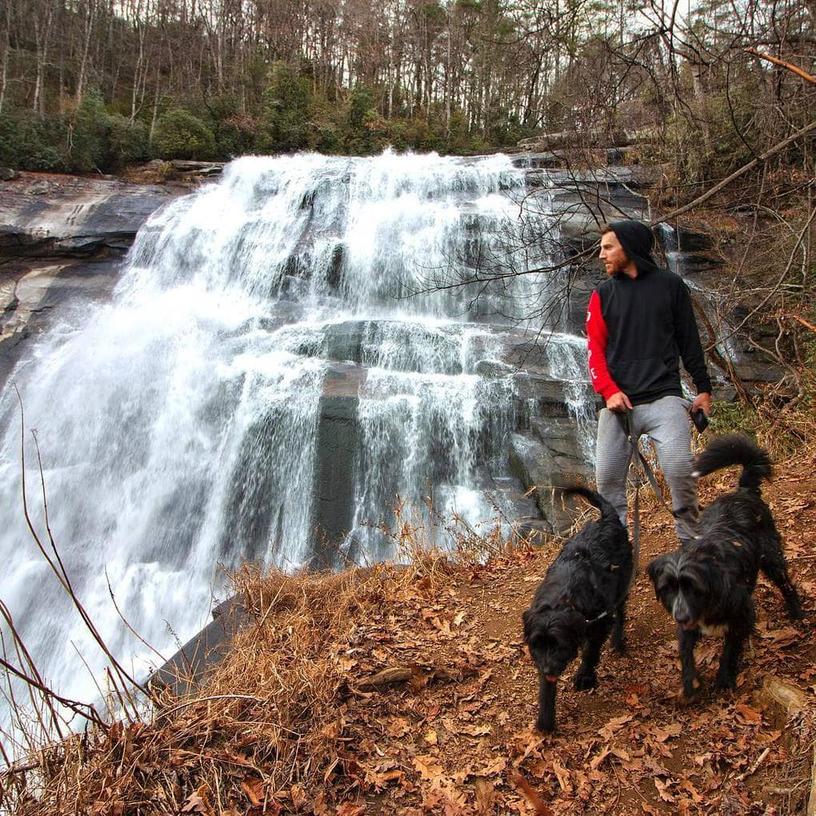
(701,401)
(619,402)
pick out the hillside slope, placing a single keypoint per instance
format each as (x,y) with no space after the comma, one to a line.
(408,690)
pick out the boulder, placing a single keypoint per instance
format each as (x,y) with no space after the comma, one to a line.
(544,469)
(538,161)
(197,168)
(541,392)
(343,341)
(186,669)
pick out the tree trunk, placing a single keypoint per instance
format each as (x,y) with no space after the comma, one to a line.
(43,36)
(83,66)
(6,50)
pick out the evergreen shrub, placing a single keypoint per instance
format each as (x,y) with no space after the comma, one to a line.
(285,111)
(89,135)
(129,142)
(28,142)
(180,135)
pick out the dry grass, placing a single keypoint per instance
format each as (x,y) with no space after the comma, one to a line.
(267,723)
(269,731)
(267,718)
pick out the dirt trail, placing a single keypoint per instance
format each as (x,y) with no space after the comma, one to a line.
(458,738)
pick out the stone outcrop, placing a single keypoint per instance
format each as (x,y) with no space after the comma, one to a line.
(334,474)
(57,216)
(570,139)
(62,238)
(184,670)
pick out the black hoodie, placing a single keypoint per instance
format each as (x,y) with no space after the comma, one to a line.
(639,328)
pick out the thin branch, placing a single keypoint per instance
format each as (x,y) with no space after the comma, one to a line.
(83,709)
(763,157)
(57,567)
(790,67)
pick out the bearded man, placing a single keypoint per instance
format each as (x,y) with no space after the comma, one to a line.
(640,325)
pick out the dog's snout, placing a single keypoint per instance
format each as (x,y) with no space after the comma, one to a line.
(681,612)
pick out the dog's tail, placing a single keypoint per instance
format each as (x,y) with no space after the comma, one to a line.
(735,449)
(608,512)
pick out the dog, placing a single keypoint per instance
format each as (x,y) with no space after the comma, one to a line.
(707,585)
(580,601)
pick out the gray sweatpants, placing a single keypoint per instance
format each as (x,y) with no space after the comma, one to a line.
(666,422)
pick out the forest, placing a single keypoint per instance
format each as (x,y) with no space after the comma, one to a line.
(92,85)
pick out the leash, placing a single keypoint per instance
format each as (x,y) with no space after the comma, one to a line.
(626,420)
(642,464)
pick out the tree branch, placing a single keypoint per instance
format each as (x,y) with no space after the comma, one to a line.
(763,157)
(776,61)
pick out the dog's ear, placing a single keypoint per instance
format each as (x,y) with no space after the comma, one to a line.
(527,619)
(657,566)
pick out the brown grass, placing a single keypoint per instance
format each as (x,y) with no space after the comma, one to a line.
(267,723)
(269,730)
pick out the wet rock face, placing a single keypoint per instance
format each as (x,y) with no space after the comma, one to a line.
(33,290)
(338,439)
(62,239)
(69,216)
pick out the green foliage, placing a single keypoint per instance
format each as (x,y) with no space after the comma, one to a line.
(366,131)
(85,140)
(235,132)
(360,106)
(180,135)
(128,142)
(29,142)
(505,129)
(326,126)
(432,14)
(285,110)
(734,417)
(704,139)
(89,135)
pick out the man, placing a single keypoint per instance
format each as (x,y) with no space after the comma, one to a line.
(640,322)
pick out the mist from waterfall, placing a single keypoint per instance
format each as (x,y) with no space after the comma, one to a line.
(179,424)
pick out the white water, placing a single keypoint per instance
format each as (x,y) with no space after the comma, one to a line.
(178,424)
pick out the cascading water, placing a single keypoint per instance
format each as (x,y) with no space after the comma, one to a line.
(182,425)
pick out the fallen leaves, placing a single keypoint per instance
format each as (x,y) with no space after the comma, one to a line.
(433,707)
(428,767)
(197,802)
(254,790)
(540,808)
(784,636)
(748,714)
(613,726)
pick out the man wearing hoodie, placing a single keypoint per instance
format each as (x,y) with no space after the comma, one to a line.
(640,323)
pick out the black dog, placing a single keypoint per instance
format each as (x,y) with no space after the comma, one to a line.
(579,601)
(707,585)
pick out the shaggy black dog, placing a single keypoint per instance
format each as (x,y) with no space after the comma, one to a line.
(580,600)
(706,586)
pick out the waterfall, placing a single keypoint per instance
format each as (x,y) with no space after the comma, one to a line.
(277,357)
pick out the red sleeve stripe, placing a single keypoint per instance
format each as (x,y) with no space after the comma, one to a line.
(597,335)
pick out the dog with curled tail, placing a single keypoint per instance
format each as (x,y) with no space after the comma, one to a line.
(707,586)
(580,601)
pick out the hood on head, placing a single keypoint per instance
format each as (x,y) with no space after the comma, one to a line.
(637,241)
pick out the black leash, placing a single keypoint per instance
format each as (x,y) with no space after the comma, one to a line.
(640,462)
